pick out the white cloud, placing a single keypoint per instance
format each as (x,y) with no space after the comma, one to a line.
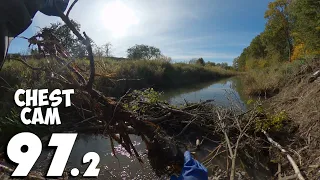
(125,23)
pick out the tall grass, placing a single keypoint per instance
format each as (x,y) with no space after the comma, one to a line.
(113,78)
(155,73)
(268,81)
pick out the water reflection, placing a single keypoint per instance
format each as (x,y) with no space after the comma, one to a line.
(224,92)
(123,166)
(112,167)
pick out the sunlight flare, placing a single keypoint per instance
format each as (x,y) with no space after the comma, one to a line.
(118,18)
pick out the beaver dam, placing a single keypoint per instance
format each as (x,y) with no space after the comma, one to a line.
(141,136)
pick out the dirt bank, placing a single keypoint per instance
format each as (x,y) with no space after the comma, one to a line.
(299,97)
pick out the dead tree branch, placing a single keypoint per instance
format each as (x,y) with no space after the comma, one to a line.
(71,7)
(290,159)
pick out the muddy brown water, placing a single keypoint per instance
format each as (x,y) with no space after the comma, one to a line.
(122,166)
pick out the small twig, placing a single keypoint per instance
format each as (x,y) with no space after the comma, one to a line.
(218,142)
(197,105)
(115,109)
(159,119)
(278,173)
(28,65)
(177,110)
(86,41)
(119,80)
(6,83)
(300,159)
(88,119)
(211,153)
(185,127)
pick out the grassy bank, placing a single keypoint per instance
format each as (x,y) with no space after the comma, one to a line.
(144,73)
(113,78)
(126,74)
(266,82)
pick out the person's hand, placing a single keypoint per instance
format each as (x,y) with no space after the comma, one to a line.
(49,7)
(192,169)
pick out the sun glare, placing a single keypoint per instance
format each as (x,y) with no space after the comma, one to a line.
(117,17)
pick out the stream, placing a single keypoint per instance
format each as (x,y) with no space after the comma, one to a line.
(224,92)
(122,166)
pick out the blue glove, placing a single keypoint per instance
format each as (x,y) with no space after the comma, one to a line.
(49,8)
(192,169)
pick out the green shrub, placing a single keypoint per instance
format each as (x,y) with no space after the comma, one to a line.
(271,122)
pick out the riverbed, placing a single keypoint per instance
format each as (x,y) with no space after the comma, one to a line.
(121,165)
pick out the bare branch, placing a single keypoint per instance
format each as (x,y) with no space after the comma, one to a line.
(290,159)
(28,65)
(72,5)
(66,20)
(86,41)
(92,67)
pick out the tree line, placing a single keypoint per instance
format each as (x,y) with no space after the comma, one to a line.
(61,33)
(200,61)
(292,32)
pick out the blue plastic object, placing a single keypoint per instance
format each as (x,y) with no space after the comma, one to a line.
(50,9)
(192,169)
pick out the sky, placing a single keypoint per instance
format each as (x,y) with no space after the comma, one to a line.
(216,30)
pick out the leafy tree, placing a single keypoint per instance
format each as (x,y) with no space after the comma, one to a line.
(66,38)
(277,35)
(200,61)
(306,18)
(292,31)
(165,58)
(298,51)
(34,51)
(235,63)
(240,62)
(143,52)
(274,44)
(223,65)
(209,63)
(257,49)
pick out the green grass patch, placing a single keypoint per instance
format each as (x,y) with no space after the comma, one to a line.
(268,81)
